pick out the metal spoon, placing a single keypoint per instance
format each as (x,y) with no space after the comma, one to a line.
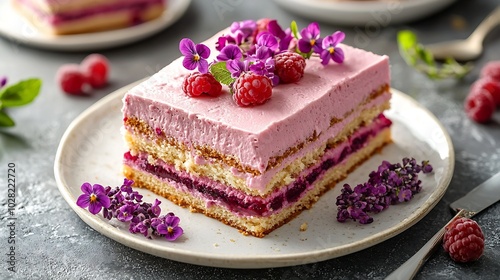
(470,48)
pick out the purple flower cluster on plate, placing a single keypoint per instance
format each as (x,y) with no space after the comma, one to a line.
(126,205)
(389,184)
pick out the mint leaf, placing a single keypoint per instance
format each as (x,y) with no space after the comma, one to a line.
(221,74)
(5,120)
(19,94)
(422,60)
(295,29)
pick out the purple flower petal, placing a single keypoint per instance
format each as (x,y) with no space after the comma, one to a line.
(3,81)
(230,52)
(325,57)
(189,63)
(172,221)
(176,233)
(338,37)
(86,188)
(338,55)
(83,200)
(203,66)
(95,207)
(304,46)
(104,200)
(203,51)
(187,47)
(274,28)
(268,40)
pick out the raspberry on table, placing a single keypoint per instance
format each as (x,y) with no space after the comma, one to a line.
(95,67)
(252,89)
(464,240)
(491,69)
(289,67)
(480,105)
(489,84)
(71,79)
(197,83)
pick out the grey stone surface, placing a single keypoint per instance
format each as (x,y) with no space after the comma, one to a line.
(53,243)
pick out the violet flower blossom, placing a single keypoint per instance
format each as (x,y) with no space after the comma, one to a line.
(310,38)
(170,227)
(94,197)
(265,67)
(330,49)
(284,36)
(236,67)
(195,56)
(230,52)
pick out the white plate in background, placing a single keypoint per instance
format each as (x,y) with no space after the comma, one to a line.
(16,28)
(370,13)
(92,148)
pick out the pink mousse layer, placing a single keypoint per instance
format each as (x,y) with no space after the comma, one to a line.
(98,9)
(255,134)
(241,204)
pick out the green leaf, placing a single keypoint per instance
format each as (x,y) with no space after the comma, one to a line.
(221,74)
(22,93)
(5,120)
(422,60)
(295,29)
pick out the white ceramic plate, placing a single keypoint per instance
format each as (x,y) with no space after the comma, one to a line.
(19,30)
(92,148)
(373,14)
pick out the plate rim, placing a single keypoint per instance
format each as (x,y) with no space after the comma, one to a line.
(95,40)
(349,9)
(249,261)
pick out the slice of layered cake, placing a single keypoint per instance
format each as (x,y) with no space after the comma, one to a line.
(255,166)
(81,16)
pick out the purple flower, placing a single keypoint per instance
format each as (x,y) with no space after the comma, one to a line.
(310,38)
(155,208)
(126,213)
(268,40)
(265,68)
(236,67)
(243,29)
(3,81)
(330,49)
(126,205)
(284,36)
(230,52)
(170,228)
(195,56)
(389,184)
(94,197)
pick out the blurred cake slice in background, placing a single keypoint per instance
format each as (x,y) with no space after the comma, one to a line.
(60,17)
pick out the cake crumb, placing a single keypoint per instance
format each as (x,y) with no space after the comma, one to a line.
(303,227)
(232,240)
(216,245)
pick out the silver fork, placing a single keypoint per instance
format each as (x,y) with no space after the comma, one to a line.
(470,48)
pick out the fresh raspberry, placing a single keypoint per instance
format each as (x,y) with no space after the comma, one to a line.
(489,84)
(96,69)
(197,83)
(491,69)
(252,89)
(289,67)
(464,240)
(480,106)
(71,79)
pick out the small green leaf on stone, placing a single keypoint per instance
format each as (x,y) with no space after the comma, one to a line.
(22,93)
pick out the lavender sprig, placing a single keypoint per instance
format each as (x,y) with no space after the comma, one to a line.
(126,205)
(389,184)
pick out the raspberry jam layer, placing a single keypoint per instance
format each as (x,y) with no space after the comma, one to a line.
(245,205)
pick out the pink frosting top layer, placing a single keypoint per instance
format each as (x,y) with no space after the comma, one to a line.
(257,133)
